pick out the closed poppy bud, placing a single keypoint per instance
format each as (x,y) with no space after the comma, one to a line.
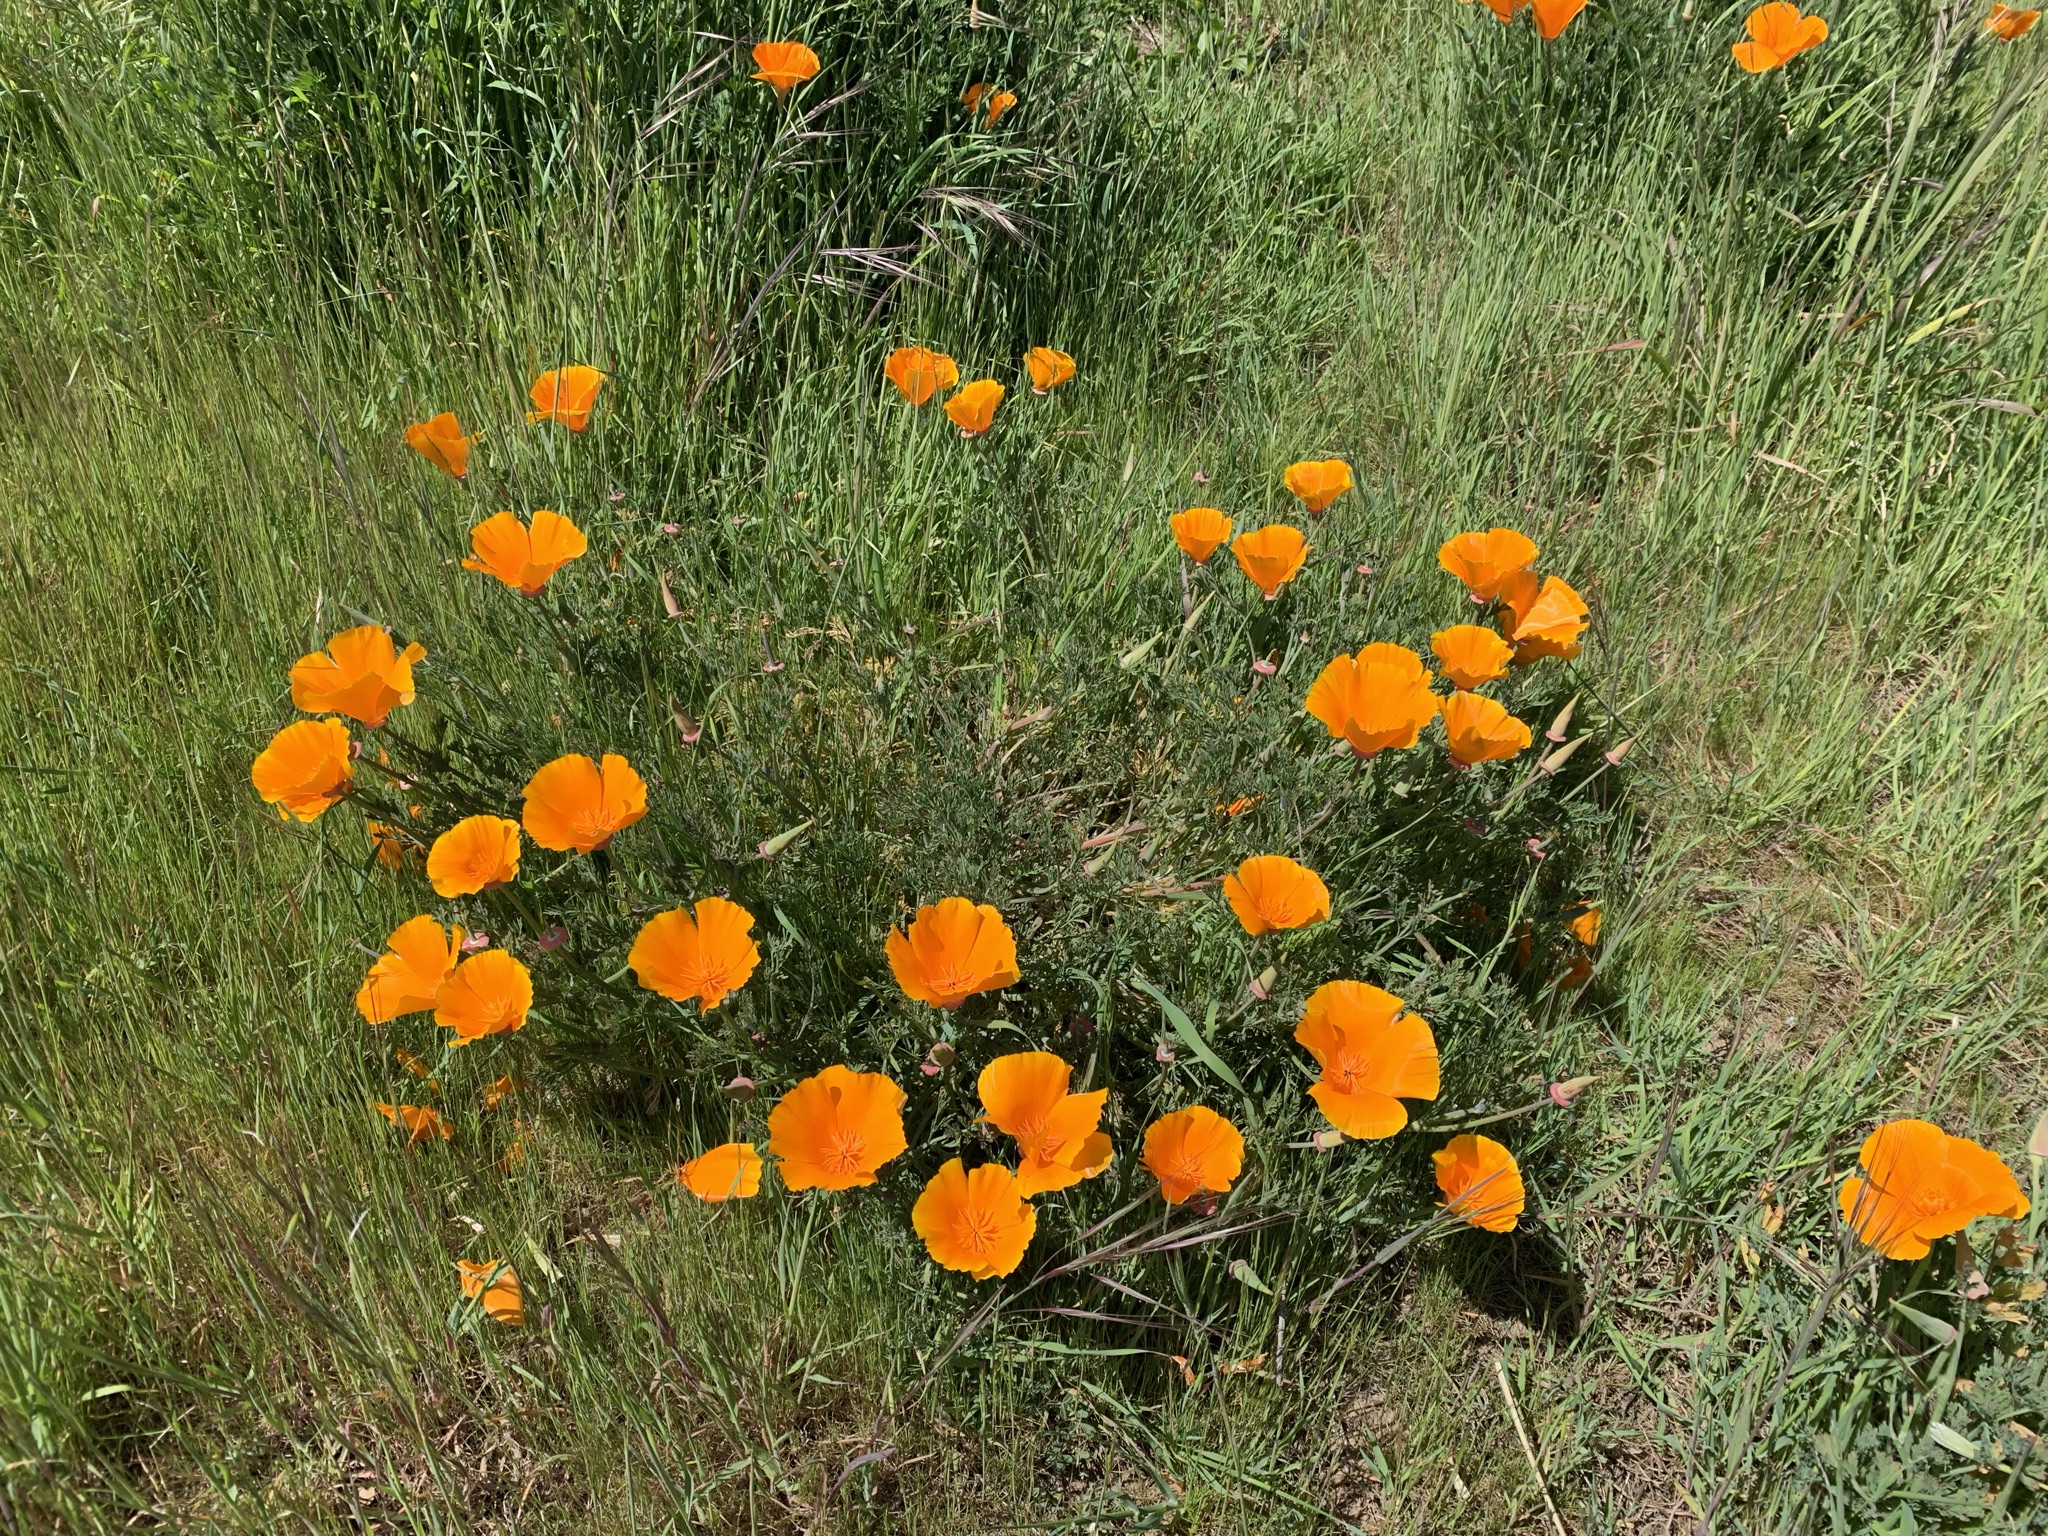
(407,977)
(361,674)
(1271,556)
(1561,726)
(488,994)
(836,1129)
(977,1223)
(941,1054)
(730,1172)
(575,804)
(1318,482)
(919,373)
(419,1122)
(1481,1182)
(1776,33)
(1193,1149)
(705,957)
(1376,700)
(1920,1184)
(440,442)
(951,951)
(1553,16)
(1000,103)
(1479,730)
(2009,24)
(306,769)
(783,65)
(740,1090)
(1024,1095)
(566,395)
(1483,561)
(1471,655)
(1048,368)
(1373,1054)
(1561,756)
(1272,892)
(1543,619)
(1199,532)
(973,409)
(521,557)
(475,854)
(494,1285)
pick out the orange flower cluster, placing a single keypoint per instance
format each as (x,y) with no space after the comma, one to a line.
(919,373)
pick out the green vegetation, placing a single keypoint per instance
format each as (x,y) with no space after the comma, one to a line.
(1757,361)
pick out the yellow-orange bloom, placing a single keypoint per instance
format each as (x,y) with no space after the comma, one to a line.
(420,1122)
(524,558)
(1000,103)
(1048,367)
(1318,482)
(1471,655)
(1480,730)
(1271,892)
(834,1130)
(1586,926)
(572,803)
(1025,1095)
(953,950)
(1483,561)
(1192,1149)
(706,957)
(1200,532)
(1377,699)
(1542,620)
(567,395)
(407,977)
(975,1222)
(1271,556)
(972,96)
(1777,32)
(475,854)
(783,65)
(1481,1182)
(487,994)
(389,844)
(305,770)
(440,442)
(2009,23)
(1920,1184)
(494,1285)
(1553,16)
(1373,1053)
(973,409)
(360,674)
(919,373)
(730,1172)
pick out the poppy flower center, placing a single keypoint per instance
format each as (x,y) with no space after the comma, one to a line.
(976,1229)
(845,1151)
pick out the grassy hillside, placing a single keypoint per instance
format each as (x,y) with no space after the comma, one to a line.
(1756,360)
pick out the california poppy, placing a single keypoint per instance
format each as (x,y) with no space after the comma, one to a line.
(783,65)
(705,957)
(573,803)
(1504,10)
(1000,103)
(1480,730)
(1483,561)
(1553,16)
(1048,368)
(1920,1184)
(305,770)
(420,1122)
(1373,1052)
(1272,892)
(475,854)
(1481,1183)
(487,994)
(1025,1096)
(1471,655)
(1318,482)
(1193,1149)
(498,1090)
(1586,926)
(440,442)
(389,844)
(974,409)
(567,395)
(972,96)
(1542,620)
(919,373)
(360,674)
(406,978)
(494,1285)
(1199,532)
(1271,556)
(953,950)
(520,557)
(833,1130)
(1777,31)
(730,1172)
(1378,699)
(976,1222)
(2009,23)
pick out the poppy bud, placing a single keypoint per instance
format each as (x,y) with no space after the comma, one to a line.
(942,1054)
(1262,984)
(689,729)
(781,840)
(668,599)
(472,942)
(2037,1144)
(1327,1141)
(1264,667)
(671,527)
(739,1090)
(1617,753)
(1561,1094)
(1163,1054)
(1557,759)
(554,938)
(1475,826)
(1562,723)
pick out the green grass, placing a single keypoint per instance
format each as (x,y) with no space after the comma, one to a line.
(242,254)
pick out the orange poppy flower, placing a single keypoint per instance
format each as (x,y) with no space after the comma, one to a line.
(1481,1182)
(977,1222)
(974,409)
(520,557)
(305,770)
(475,854)
(1544,620)
(1920,1184)
(1272,892)
(420,1122)
(498,1090)
(487,994)
(972,96)
(919,373)
(706,957)
(1471,655)
(832,1131)
(1504,10)
(1480,730)
(567,395)
(1271,556)
(1586,926)
(1000,103)
(389,844)
(953,950)
(730,1172)
(1373,1053)
(1191,1149)
(360,674)
(1200,532)
(1318,482)
(1483,561)
(2010,24)
(1048,367)
(1025,1095)
(440,442)
(783,65)
(1777,31)
(572,803)
(494,1285)
(1553,16)
(1377,699)
(419,955)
